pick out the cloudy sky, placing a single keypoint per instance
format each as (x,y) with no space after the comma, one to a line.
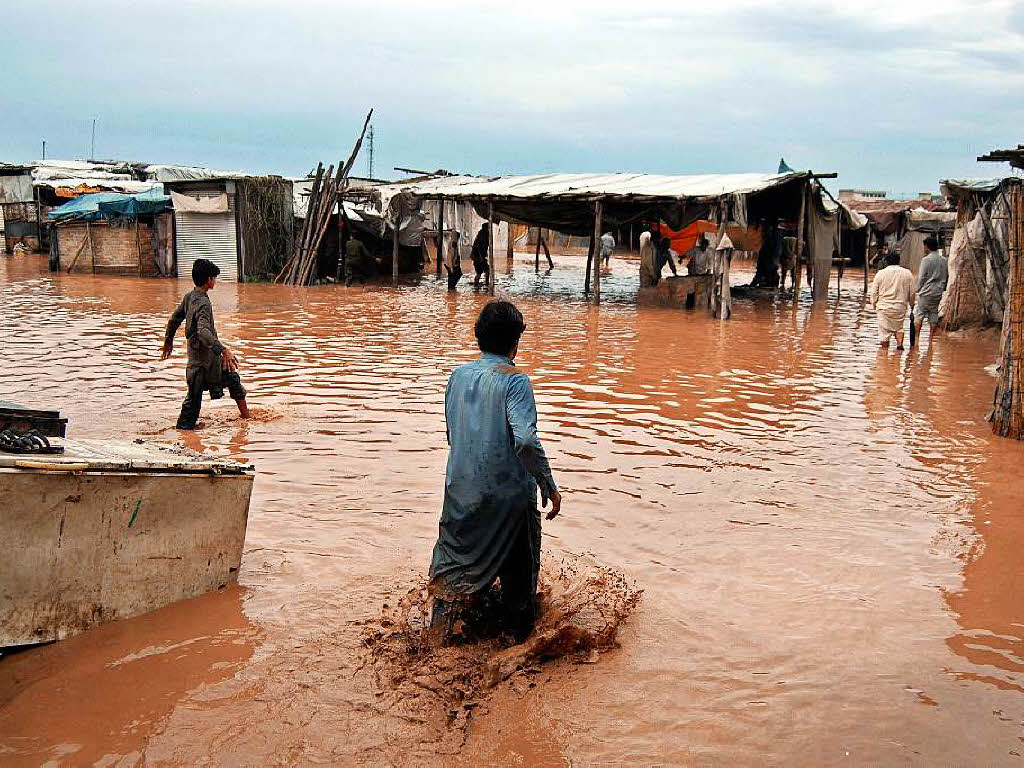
(890,94)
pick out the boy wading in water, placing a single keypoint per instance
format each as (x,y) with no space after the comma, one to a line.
(490,524)
(211,365)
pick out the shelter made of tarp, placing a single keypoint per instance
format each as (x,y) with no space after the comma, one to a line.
(953,188)
(96,205)
(564,201)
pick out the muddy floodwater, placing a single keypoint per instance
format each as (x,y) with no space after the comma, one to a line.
(828,538)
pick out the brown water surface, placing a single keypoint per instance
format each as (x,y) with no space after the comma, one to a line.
(827,536)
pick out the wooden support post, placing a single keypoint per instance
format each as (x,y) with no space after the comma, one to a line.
(536,255)
(1008,406)
(631,237)
(867,254)
(798,256)
(440,234)
(490,247)
(510,244)
(597,250)
(547,253)
(590,259)
(394,246)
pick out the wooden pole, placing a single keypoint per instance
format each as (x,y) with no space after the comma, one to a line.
(797,263)
(867,254)
(490,247)
(394,245)
(509,253)
(590,259)
(536,255)
(440,234)
(598,211)
(1008,406)
(547,253)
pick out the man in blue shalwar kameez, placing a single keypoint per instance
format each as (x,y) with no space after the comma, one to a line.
(490,524)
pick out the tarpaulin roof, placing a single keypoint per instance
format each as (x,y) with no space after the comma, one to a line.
(92,206)
(169,173)
(593,185)
(563,201)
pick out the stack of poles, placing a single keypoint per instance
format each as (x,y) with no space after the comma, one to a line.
(322,197)
(300,269)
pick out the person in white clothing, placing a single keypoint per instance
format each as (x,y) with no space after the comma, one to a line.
(892,294)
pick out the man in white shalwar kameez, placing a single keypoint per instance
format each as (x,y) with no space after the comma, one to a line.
(892,294)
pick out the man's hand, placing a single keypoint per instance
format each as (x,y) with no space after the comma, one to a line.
(229,360)
(556,505)
(165,352)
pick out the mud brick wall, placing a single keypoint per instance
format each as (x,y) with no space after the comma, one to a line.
(115,250)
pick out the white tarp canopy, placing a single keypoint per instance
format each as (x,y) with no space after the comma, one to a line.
(634,185)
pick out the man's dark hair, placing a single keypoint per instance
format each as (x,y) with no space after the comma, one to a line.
(499,327)
(892,259)
(203,270)
(931,243)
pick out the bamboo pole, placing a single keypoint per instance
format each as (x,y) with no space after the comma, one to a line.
(490,247)
(598,211)
(797,264)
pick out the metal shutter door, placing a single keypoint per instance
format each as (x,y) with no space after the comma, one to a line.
(208,236)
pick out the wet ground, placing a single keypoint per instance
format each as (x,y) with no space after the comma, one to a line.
(827,536)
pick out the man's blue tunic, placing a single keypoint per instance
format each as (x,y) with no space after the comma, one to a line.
(495,466)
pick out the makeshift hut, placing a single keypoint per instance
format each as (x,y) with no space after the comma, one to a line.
(588,204)
(114,233)
(978,255)
(1008,404)
(242,223)
(17,205)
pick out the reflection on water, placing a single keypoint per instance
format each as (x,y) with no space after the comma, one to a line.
(827,535)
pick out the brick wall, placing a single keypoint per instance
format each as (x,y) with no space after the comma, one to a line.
(114,251)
